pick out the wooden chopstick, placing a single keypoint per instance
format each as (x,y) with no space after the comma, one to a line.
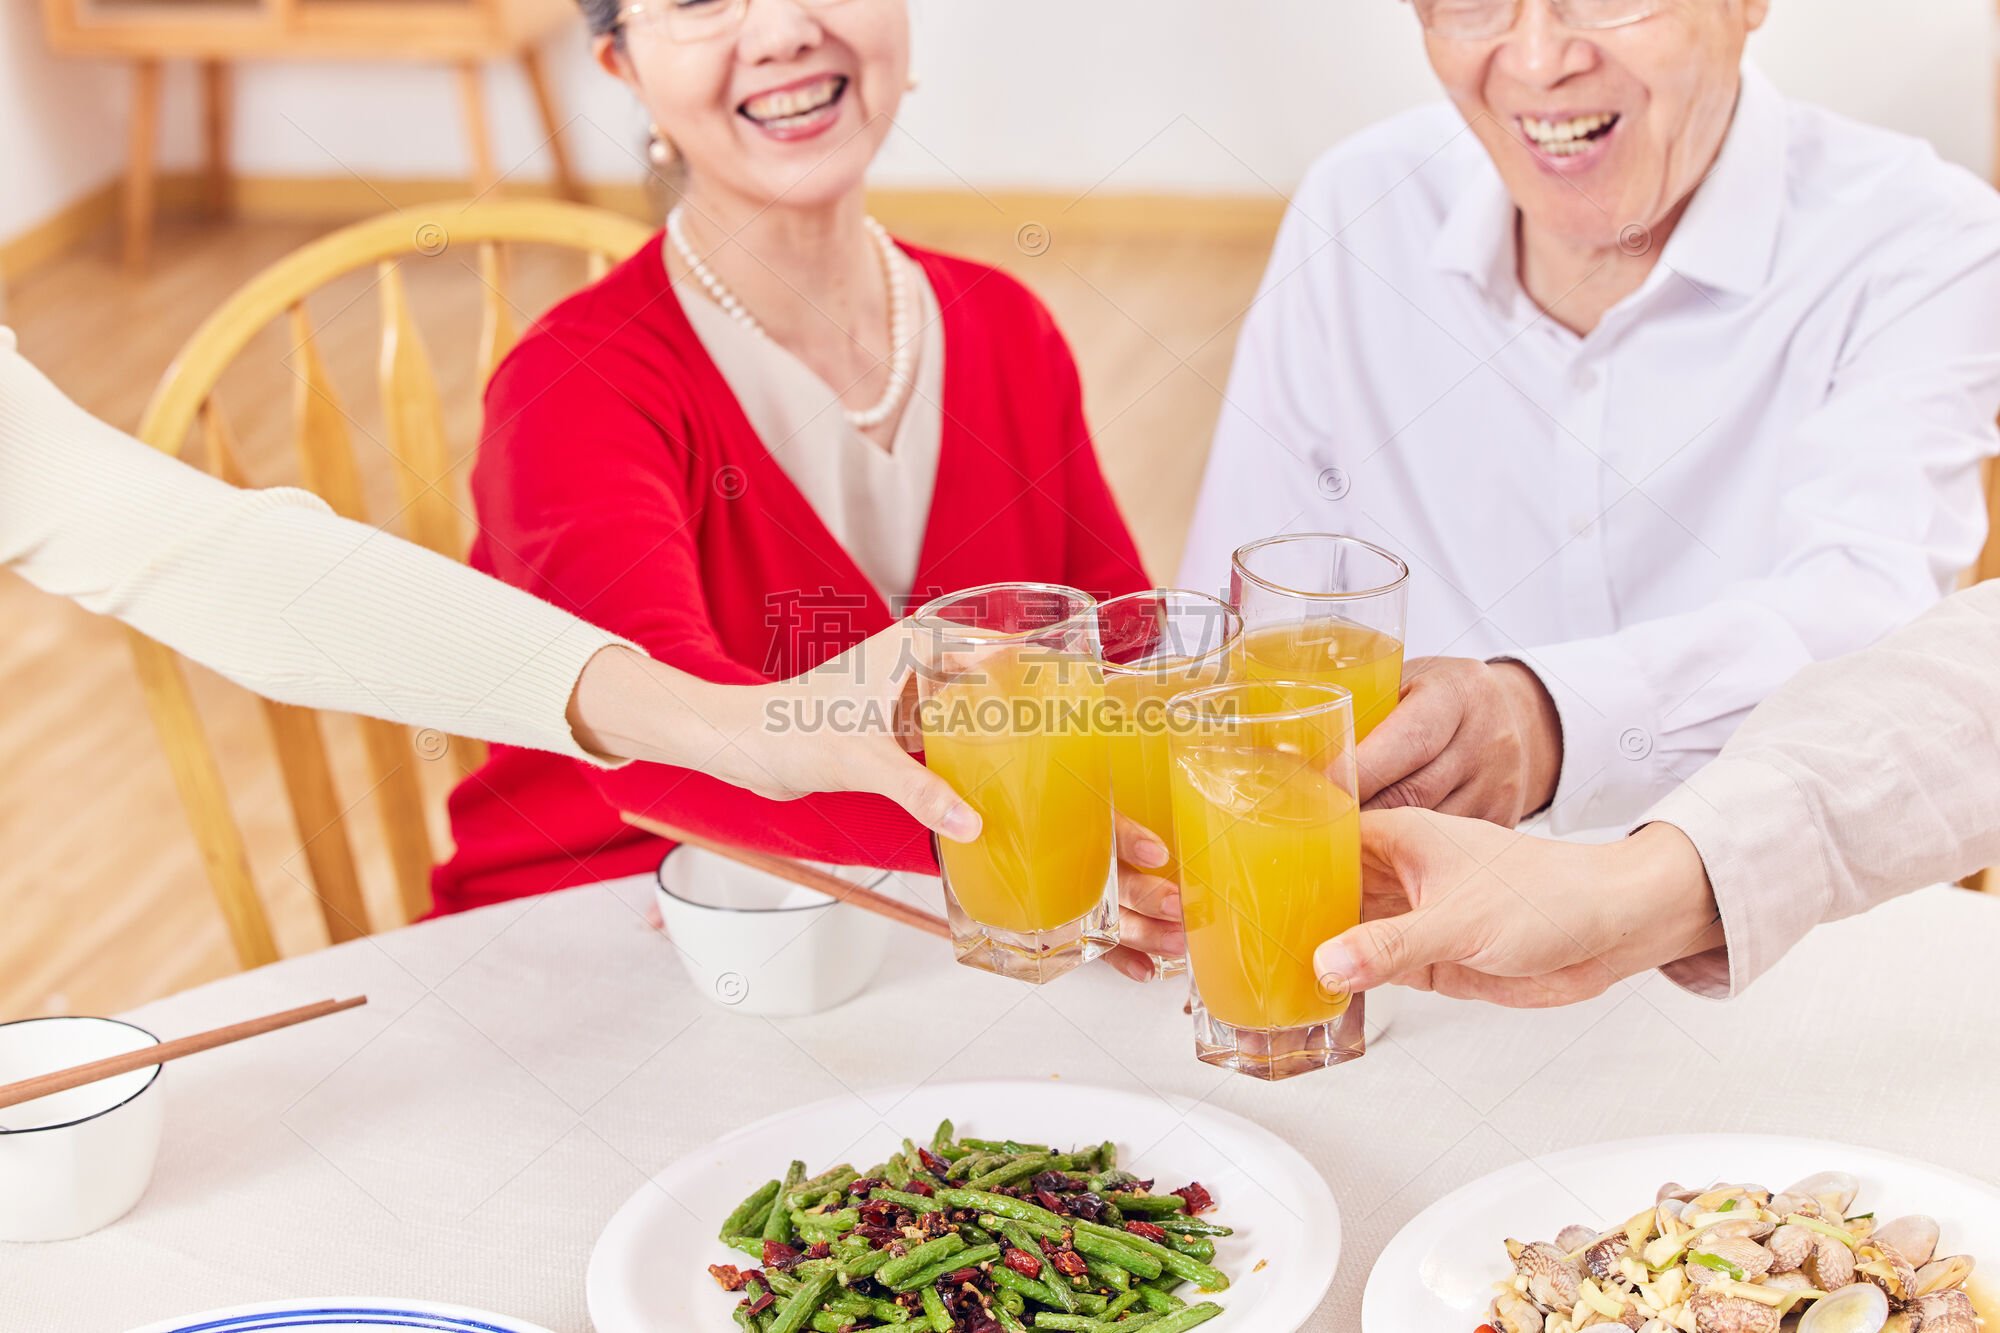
(62,1080)
(811,877)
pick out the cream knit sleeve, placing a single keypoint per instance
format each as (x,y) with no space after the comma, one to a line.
(271,589)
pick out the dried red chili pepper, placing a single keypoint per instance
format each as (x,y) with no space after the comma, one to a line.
(819,1249)
(1069,1263)
(933,1163)
(780,1256)
(1048,1201)
(920,1188)
(1148,1230)
(761,1303)
(1027,1265)
(1198,1199)
(728,1276)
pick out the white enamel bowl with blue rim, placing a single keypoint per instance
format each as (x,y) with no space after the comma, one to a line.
(329,1315)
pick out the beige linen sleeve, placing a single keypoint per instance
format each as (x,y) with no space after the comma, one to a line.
(271,589)
(1861,779)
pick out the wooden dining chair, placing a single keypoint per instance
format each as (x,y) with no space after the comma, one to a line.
(185,405)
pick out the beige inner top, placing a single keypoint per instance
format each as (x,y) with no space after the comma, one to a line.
(875,501)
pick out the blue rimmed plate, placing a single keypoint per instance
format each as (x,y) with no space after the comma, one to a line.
(343,1316)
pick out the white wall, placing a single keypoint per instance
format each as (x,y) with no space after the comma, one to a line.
(61,123)
(1167,95)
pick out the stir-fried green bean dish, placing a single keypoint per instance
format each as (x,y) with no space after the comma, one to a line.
(969,1235)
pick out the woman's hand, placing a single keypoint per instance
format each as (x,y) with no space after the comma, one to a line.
(1150,923)
(1480,739)
(1479,912)
(843,726)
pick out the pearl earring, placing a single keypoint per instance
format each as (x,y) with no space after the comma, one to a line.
(660,149)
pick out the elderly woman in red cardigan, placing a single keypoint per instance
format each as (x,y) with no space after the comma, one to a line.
(767,435)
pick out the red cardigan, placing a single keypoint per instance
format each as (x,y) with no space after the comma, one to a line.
(619,478)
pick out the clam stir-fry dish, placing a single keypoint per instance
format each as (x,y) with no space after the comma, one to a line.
(1740,1259)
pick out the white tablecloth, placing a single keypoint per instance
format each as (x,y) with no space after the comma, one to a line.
(520,1071)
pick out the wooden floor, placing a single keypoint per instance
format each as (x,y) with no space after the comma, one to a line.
(102,895)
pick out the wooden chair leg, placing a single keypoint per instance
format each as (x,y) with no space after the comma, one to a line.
(478,128)
(200,785)
(142,150)
(567,184)
(216,125)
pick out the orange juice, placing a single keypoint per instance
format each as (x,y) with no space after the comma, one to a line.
(1021,738)
(1140,762)
(1270,851)
(1363,661)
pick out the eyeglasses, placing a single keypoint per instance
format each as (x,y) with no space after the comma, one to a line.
(696,20)
(1476,20)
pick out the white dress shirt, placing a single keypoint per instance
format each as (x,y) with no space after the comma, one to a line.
(1768,455)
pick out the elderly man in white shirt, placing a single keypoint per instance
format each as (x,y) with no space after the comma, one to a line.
(1665,387)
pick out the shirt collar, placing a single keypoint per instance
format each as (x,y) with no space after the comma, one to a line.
(1726,239)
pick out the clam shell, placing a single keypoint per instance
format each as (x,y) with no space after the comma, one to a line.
(1511,1314)
(1830,1265)
(1790,1246)
(1947,1312)
(1835,1189)
(1860,1308)
(1943,1275)
(1747,1255)
(1731,1314)
(1571,1239)
(1915,1237)
(1552,1279)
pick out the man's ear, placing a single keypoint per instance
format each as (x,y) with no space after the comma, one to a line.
(614,60)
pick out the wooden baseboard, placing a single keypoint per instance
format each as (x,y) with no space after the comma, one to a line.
(1036,218)
(59,233)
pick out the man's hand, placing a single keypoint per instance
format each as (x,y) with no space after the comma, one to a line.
(1475,911)
(1468,738)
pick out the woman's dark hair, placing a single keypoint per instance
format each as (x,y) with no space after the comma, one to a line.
(602,15)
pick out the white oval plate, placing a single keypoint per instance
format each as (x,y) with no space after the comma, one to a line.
(1437,1275)
(343,1315)
(649,1270)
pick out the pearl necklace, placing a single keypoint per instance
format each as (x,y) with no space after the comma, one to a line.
(903,347)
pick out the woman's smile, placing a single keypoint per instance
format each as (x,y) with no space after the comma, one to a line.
(802,109)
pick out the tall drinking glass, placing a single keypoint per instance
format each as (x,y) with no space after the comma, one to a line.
(1154,645)
(1013,716)
(1270,857)
(1321,607)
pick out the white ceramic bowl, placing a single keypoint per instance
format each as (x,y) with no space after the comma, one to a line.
(757,944)
(78,1160)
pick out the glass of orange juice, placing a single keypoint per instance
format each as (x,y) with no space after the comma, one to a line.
(1013,715)
(1154,645)
(1269,835)
(1321,607)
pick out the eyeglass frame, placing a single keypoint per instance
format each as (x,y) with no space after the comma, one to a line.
(1646,9)
(738,8)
